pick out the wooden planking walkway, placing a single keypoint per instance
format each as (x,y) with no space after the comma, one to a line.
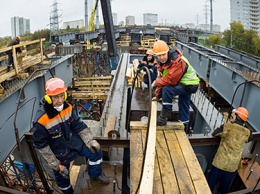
(176,168)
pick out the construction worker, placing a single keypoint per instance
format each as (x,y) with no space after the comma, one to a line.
(229,154)
(176,77)
(60,136)
(13,42)
(149,62)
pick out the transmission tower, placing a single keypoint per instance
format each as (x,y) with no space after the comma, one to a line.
(206,12)
(54,18)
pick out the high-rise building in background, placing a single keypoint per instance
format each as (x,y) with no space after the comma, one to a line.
(150,18)
(19,26)
(114,16)
(247,12)
(130,20)
(73,24)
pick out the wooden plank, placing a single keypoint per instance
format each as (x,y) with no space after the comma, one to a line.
(181,171)
(136,159)
(74,171)
(139,125)
(111,121)
(157,180)
(165,164)
(198,178)
(91,83)
(85,88)
(146,185)
(93,78)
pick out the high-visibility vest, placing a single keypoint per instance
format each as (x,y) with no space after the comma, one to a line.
(189,78)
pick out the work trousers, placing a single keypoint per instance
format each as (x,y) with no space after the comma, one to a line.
(223,177)
(169,92)
(94,169)
(10,59)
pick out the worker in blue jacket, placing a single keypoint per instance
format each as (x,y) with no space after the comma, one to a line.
(60,136)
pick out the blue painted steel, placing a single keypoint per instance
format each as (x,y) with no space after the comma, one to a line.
(224,74)
(252,61)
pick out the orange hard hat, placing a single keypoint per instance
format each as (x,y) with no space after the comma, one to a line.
(149,52)
(160,47)
(241,112)
(55,86)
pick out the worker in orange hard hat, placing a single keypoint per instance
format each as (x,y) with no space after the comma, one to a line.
(60,136)
(229,154)
(176,78)
(13,42)
(150,62)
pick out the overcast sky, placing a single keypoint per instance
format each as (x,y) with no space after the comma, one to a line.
(173,11)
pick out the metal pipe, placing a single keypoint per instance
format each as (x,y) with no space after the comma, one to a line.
(256,155)
(256,185)
(114,185)
(115,168)
(249,174)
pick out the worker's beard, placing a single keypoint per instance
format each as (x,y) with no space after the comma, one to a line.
(58,108)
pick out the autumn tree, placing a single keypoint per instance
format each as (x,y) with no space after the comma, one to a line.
(239,38)
(214,39)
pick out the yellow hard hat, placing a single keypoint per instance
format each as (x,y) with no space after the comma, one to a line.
(160,47)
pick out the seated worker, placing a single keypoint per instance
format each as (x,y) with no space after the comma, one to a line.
(149,62)
(60,136)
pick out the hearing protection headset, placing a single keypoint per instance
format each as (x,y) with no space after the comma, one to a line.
(48,99)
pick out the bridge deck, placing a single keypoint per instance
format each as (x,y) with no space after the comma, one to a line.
(176,168)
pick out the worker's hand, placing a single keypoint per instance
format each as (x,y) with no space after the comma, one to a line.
(93,146)
(158,74)
(142,65)
(154,84)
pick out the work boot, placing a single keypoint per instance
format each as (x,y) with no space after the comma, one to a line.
(163,117)
(102,179)
(8,69)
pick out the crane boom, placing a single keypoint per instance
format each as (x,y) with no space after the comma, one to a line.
(91,26)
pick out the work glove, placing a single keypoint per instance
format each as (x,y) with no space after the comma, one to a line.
(142,65)
(87,138)
(50,158)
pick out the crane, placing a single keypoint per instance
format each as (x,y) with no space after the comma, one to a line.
(91,26)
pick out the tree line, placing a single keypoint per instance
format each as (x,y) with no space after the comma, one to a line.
(237,38)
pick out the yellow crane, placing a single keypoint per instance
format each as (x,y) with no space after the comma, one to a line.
(91,25)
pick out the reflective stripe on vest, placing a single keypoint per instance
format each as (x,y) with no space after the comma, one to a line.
(190,77)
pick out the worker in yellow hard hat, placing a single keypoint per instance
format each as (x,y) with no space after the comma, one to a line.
(150,62)
(60,136)
(177,78)
(13,42)
(229,154)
